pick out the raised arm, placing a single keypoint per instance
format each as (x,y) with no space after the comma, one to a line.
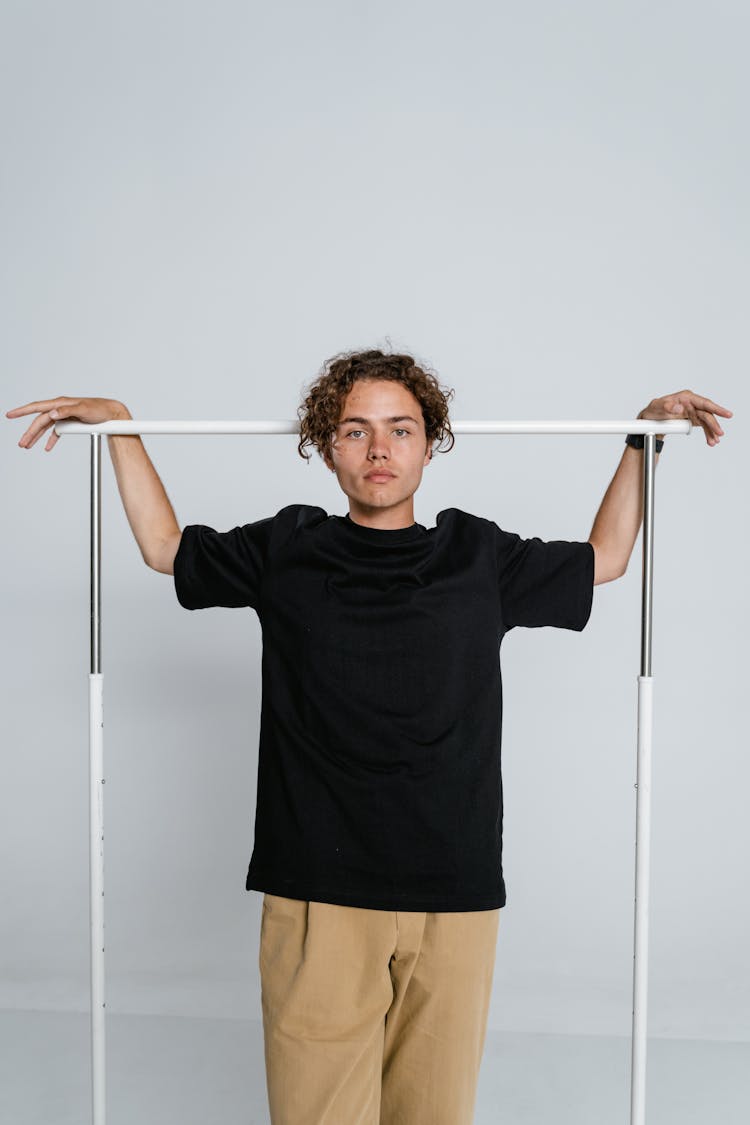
(150,514)
(620,514)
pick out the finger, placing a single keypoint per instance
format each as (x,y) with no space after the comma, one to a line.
(28,435)
(689,409)
(32,407)
(43,421)
(714,423)
(36,429)
(53,437)
(39,429)
(707,421)
(706,404)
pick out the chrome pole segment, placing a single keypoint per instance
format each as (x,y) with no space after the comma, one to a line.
(639,1043)
(96,552)
(647,601)
(96,800)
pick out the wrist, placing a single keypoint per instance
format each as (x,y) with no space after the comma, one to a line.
(659,437)
(638,441)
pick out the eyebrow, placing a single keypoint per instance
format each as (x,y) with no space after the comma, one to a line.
(366,421)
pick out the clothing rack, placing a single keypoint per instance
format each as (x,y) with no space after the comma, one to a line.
(649,428)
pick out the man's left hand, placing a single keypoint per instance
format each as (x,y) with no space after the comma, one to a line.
(687,404)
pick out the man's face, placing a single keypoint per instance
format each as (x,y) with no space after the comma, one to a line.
(380,427)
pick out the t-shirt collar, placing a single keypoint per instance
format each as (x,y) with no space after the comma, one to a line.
(379,534)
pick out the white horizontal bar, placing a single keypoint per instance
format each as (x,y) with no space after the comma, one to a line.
(133,426)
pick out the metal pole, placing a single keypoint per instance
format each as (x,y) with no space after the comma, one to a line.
(284,426)
(643,800)
(96,798)
(645,702)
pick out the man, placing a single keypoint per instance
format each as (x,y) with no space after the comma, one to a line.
(378,829)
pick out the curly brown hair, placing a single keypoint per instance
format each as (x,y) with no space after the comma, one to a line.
(321,408)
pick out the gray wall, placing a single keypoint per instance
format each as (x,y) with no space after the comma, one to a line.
(545,202)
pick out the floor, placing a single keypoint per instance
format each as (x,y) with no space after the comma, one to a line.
(178,1071)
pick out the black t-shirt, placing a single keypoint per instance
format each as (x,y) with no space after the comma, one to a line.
(379,781)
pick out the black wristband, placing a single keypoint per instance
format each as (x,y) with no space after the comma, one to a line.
(637,442)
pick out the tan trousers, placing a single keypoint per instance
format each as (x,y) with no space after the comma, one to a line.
(373,1017)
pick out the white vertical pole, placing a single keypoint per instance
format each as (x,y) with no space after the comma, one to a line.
(96,858)
(642,852)
(96,801)
(643,800)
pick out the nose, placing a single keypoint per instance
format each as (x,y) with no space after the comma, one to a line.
(378,448)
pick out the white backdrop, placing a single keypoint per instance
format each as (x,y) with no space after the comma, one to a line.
(548,205)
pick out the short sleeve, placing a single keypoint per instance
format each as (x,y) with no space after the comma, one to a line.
(544,583)
(221,568)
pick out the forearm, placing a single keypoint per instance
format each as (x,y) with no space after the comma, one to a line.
(620,515)
(150,514)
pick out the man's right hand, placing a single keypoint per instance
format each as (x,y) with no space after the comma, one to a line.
(88,410)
